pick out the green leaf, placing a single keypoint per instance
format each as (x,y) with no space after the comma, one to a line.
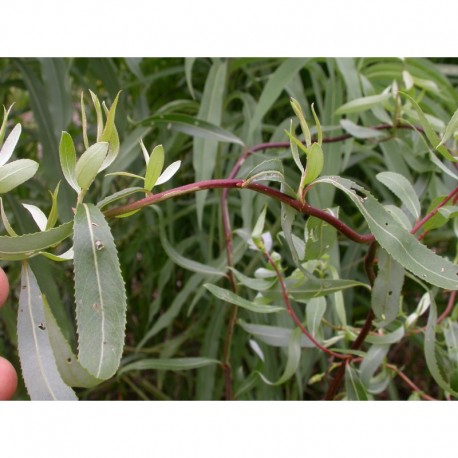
(307,288)
(89,163)
(374,358)
(401,187)
(451,128)
(168,173)
(170,364)
(276,84)
(154,167)
(84,122)
(275,336)
(188,64)
(99,293)
(6,223)
(110,135)
(450,330)
(430,349)
(386,292)
(119,195)
(359,131)
(353,385)
(318,126)
(304,126)
(38,216)
(362,104)
(399,243)
(258,284)
(292,362)
(228,296)
(194,127)
(319,237)
(16,173)
(38,364)
(67,155)
(28,245)
(316,308)
(429,131)
(294,150)
(54,212)
(314,166)
(4,123)
(211,110)
(99,115)
(269,170)
(71,371)
(177,258)
(9,145)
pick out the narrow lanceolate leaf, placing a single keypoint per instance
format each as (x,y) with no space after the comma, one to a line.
(430,350)
(54,212)
(293,360)
(6,222)
(9,145)
(272,169)
(231,298)
(28,245)
(67,155)
(110,135)
(89,163)
(99,293)
(362,104)
(73,374)
(154,167)
(359,131)
(451,128)
(16,173)
(169,364)
(294,150)
(98,113)
(386,292)
(182,261)
(194,127)
(119,195)
(304,126)
(397,241)
(316,309)
(402,188)
(429,131)
(274,336)
(353,385)
(4,123)
(38,364)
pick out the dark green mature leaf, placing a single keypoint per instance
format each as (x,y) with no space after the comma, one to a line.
(73,374)
(398,242)
(25,246)
(386,292)
(99,293)
(16,173)
(211,110)
(274,87)
(169,364)
(430,349)
(38,364)
(228,296)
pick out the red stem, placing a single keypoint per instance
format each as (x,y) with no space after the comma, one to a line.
(295,317)
(410,383)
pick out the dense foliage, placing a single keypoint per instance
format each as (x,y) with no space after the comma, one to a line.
(325,154)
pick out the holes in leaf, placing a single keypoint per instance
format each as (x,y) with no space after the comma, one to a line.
(69,360)
(386,224)
(99,245)
(41,326)
(390,293)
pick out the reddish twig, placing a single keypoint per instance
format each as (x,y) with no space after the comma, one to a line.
(449,308)
(293,314)
(410,383)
